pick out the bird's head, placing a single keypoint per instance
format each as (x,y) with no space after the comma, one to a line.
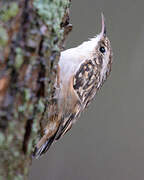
(99,48)
(103,53)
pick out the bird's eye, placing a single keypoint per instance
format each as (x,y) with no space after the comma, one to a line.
(102,49)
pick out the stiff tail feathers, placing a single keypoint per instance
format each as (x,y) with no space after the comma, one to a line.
(61,130)
(44,147)
(39,151)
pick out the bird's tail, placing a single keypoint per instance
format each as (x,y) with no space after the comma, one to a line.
(45,142)
(44,147)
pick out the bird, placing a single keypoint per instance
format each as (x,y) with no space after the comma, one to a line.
(81,73)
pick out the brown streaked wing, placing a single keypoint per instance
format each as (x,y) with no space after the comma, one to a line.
(85,80)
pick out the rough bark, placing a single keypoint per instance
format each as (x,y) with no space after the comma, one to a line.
(32,34)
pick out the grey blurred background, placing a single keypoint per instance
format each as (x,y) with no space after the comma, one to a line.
(107,143)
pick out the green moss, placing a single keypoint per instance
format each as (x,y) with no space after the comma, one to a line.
(2,139)
(31,107)
(26,98)
(35,126)
(12,125)
(22,108)
(34,136)
(16,153)
(26,170)
(9,139)
(41,105)
(3,36)
(1,177)
(19,58)
(30,145)
(27,94)
(19,177)
(52,13)
(9,11)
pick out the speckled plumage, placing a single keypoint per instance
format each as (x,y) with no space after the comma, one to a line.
(82,71)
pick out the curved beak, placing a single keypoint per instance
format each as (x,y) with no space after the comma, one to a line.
(103,31)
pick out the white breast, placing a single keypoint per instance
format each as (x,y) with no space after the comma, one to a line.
(71,59)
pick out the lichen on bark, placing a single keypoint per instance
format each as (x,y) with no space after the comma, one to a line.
(32,34)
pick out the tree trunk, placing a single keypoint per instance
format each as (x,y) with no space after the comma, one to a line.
(32,33)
